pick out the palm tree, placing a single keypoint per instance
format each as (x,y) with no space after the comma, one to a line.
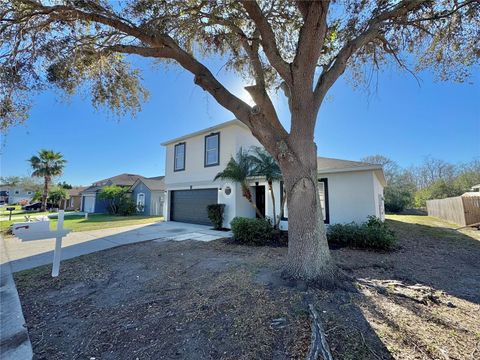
(263,164)
(47,164)
(239,169)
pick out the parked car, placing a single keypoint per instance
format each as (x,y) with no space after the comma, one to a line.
(36,206)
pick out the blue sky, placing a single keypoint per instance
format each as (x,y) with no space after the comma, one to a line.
(401,120)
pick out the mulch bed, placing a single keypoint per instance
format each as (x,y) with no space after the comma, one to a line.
(219,300)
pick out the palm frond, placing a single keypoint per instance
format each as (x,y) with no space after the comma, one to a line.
(263,164)
(238,169)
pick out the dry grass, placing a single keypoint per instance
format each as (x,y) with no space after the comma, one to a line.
(218,300)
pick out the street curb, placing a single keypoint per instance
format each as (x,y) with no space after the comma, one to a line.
(14,340)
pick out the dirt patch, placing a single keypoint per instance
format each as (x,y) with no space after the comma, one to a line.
(218,300)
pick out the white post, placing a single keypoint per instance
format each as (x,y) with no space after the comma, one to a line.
(58,246)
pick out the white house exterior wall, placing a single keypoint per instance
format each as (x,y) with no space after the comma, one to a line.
(197,176)
(350,193)
(22,195)
(195,171)
(350,196)
(379,199)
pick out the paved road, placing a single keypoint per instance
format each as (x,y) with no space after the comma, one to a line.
(30,254)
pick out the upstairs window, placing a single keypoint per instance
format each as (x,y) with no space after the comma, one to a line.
(212,149)
(179,157)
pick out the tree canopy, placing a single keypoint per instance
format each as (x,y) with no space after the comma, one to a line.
(79,45)
(298,47)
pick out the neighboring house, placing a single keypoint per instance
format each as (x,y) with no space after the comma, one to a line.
(349,190)
(74,201)
(90,201)
(474,191)
(149,194)
(10,194)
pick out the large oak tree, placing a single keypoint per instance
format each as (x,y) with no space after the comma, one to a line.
(300,47)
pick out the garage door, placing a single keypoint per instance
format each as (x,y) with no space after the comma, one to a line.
(89,204)
(191,205)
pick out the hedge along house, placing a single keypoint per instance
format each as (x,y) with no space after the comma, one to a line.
(90,201)
(149,195)
(349,190)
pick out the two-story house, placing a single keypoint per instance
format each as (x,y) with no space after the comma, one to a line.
(10,194)
(349,190)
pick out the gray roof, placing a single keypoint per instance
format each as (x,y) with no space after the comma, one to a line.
(325,164)
(91,189)
(120,180)
(153,184)
(75,191)
(329,165)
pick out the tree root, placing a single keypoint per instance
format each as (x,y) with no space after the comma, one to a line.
(319,345)
(417,293)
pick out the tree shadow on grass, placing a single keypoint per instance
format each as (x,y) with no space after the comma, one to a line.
(441,258)
(187,300)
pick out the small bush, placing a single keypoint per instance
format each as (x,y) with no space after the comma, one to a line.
(251,231)
(127,207)
(373,234)
(215,214)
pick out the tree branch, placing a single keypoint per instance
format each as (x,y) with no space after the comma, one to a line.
(267,39)
(373,30)
(310,41)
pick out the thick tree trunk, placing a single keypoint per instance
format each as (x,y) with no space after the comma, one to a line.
(308,253)
(45,194)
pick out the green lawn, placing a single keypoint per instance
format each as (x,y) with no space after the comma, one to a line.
(434,226)
(95,222)
(18,211)
(4,212)
(101,221)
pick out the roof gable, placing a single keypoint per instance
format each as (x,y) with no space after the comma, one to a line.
(120,180)
(153,184)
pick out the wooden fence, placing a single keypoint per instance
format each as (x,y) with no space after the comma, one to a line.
(461,210)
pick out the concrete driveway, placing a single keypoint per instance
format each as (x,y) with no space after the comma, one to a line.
(30,254)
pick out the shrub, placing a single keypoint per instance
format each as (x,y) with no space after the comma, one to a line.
(215,214)
(373,234)
(127,207)
(251,231)
(115,196)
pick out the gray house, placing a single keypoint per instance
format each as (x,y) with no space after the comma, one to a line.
(10,194)
(91,203)
(149,195)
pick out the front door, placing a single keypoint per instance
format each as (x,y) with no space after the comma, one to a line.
(260,199)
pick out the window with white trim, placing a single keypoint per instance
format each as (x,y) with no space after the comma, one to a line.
(179,157)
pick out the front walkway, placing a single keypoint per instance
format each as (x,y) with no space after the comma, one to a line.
(30,254)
